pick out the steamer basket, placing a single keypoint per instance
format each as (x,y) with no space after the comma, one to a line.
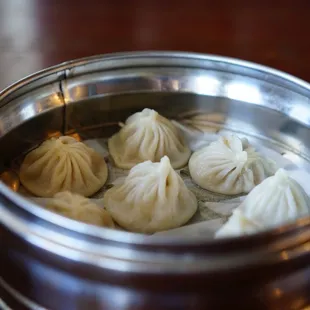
(51,262)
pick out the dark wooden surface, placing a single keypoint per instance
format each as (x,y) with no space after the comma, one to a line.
(38,33)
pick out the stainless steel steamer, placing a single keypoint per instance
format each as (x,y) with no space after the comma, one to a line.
(49,261)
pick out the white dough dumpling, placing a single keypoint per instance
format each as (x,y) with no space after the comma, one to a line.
(238,224)
(277,200)
(63,164)
(229,166)
(78,208)
(146,136)
(153,197)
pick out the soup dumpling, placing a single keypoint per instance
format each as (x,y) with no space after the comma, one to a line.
(153,197)
(78,208)
(146,136)
(277,200)
(63,164)
(229,166)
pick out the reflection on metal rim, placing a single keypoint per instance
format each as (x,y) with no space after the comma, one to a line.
(19,298)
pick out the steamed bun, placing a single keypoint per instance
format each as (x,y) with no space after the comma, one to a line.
(61,164)
(229,166)
(152,198)
(148,136)
(78,208)
(277,200)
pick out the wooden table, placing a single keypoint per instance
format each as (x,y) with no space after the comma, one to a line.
(38,33)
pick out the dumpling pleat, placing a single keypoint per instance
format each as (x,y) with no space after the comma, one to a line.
(63,164)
